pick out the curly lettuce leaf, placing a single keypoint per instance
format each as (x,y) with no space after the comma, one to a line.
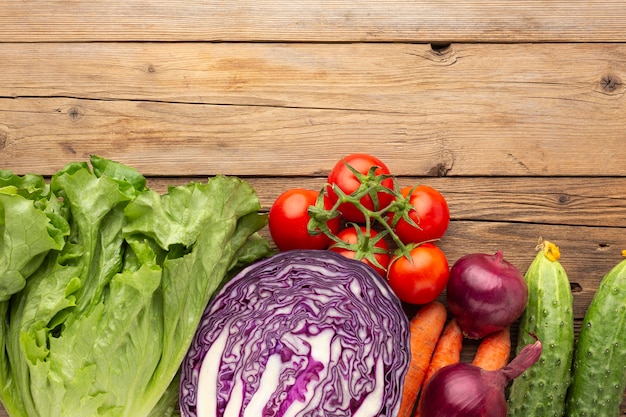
(29,229)
(101,326)
(26,237)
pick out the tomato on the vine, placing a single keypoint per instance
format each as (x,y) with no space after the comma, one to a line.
(429,210)
(289,218)
(376,248)
(342,177)
(422,278)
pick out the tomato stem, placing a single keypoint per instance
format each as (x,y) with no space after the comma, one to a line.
(371,184)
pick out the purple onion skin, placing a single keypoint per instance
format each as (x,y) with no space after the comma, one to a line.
(485,293)
(465,390)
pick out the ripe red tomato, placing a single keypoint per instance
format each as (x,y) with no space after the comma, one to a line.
(430,212)
(421,279)
(350,235)
(289,218)
(347,182)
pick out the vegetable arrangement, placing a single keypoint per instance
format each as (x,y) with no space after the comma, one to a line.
(540,382)
(466,390)
(106,288)
(395,232)
(361,214)
(436,344)
(305,332)
(104,281)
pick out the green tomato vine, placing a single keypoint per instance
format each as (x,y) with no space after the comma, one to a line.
(371,184)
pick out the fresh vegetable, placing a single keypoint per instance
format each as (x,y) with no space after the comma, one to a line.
(485,293)
(425,329)
(301,333)
(447,352)
(549,316)
(366,176)
(108,310)
(448,349)
(289,219)
(430,214)
(363,191)
(599,370)
(494,350)
(30,228)
(465,390)
(356,242)
(420,277)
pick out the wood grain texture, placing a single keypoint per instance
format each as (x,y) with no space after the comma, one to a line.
(520,109)
(41,135)
(309,20)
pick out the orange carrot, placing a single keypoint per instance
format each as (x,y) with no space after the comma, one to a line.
(448,349)
(426,327)
(494,350)
(447,352)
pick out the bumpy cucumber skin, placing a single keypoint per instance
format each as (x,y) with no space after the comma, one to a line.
(599,372)
(541,390)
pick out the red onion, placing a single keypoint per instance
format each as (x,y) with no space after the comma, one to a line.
(465,390)
(485,293)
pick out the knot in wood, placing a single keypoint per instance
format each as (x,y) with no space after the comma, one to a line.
(74,113)
(564,199)
(575,287)
(610,83)
(4,138)
(444,165)
(440,48)
(443,54)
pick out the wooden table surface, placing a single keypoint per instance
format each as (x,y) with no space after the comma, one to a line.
(514,110)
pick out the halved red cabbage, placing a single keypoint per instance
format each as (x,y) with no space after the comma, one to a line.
(302,333)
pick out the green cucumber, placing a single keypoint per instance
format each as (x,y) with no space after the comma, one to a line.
(541,390)
(599,371)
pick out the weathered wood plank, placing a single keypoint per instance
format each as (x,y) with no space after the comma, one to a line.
(42,135)
(187,109)
(308,20)
(497,84)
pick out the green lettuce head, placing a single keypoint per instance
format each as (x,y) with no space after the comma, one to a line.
(103,282)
